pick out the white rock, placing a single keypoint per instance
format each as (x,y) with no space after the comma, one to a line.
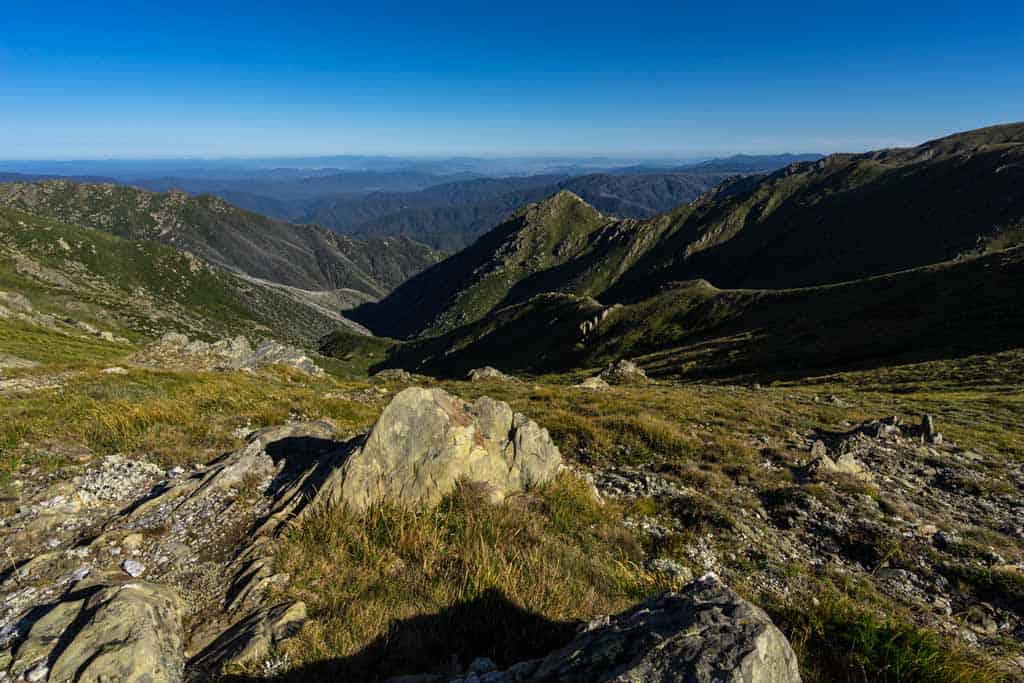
(133,568)
(39,673)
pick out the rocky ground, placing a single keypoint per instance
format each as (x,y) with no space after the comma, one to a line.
(895,503)
(192,545)
(121,570)
(891,503)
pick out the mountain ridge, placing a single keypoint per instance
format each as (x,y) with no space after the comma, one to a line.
(841,218)
(307,257)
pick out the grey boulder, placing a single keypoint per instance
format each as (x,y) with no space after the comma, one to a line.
(427,440)
(489,374)
(702,634)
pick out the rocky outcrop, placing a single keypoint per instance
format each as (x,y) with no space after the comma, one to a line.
(823,465)
(427,440)
(593,384)
(252,638)
(7,361)
(394,375)
(163,537)
(705,633)
(177,350)
(270,352)
(845,464)
(12,302)
(489,374)
(204,537)
(624,372)
(119,631)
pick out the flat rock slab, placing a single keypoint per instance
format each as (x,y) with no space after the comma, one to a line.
(117,632)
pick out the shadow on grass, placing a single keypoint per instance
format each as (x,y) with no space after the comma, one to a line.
(444,643)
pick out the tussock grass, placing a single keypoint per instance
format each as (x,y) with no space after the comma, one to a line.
(838,641)
(400,591)
(57,351)
(171,417)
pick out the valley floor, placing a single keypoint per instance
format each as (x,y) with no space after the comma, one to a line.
(881,554)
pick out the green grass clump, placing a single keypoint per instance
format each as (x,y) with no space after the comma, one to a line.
(396,591)
(841,642)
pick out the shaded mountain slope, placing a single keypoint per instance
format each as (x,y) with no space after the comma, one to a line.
(501,266)
(842,218)
(694,330)
(848,217)
(301,256)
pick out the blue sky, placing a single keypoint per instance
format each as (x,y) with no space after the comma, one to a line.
(651,79)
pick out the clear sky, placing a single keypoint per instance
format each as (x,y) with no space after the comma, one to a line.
(83,79)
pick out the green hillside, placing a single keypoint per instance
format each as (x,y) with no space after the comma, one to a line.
(140,288)
(500,268)
(301,256)
(842,218)
(697,331)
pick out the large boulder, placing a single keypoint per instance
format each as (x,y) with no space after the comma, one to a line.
(703,634)
(624,372)
(106,632)
(427,440)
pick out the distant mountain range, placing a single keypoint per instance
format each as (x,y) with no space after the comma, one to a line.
(452,215)
(842,218)
(822,263)
(445,204)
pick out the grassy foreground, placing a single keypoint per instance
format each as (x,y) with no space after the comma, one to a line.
(396,591)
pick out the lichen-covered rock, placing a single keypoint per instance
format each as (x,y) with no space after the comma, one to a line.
(12,301)
(270,352)
(593,384)
(426,440)
(845,464)
(624,372)
(128,632)
(704,633)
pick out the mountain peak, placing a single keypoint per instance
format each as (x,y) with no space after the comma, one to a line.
(563,213)
(566,200)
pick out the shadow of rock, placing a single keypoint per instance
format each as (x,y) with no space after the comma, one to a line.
(443,643)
